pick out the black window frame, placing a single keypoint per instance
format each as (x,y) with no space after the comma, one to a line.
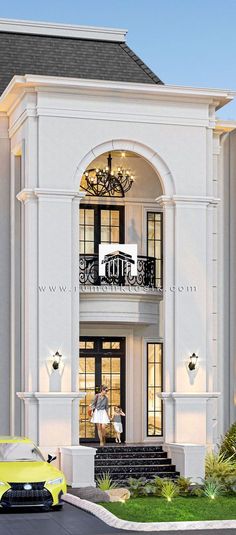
(97,222)
(157,279)
(147,387)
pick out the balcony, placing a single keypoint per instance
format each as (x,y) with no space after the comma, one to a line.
(146,276)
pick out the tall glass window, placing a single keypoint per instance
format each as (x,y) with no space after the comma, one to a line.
(154,244)
(154,387)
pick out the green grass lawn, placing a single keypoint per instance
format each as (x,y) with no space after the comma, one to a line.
(179,509)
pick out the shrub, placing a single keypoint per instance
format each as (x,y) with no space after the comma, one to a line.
(229,485)
(212,488)
(217,466)
(149,489)
(136,486)
(105,482)
(184,485)
(169,490)
(228,444)
(157,484)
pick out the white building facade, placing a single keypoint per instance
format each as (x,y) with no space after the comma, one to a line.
(129,334)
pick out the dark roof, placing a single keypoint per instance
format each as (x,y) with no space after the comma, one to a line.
(69,57)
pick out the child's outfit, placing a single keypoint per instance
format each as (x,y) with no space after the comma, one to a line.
(117,423)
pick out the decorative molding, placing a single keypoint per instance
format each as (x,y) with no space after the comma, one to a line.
(26,195)
(186,201)
(49,194)
(189,395)
(63,30)
(50,395)
(217,98)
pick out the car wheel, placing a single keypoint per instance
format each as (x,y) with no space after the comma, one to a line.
(57,507)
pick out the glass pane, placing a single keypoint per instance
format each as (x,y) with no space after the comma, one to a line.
(157,249)
(151,230)
(151,423)
(89,345)
(158,374)
(115,235)
(154,403)
(81,249)
(82,345)
(89,247)
(150,349)
(158,423)
(151,399)
(157,401)
(106,365)
(89,216)
(115,218)
(106,345)
(81,365)
(151,248)
(90,365)
(81,231)
(151,375)
(90,380)
(81,216)
(158,353)
(115,345)
(106,379)
(115,397)
(157,230)
(89,233)
(89,396)
(115,365)
(105,217)
(115,380)
(82,381)
(150,216)
(105,234)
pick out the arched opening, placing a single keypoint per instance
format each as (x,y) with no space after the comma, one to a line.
(112,325)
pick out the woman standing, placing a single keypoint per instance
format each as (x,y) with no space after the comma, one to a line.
(100,413)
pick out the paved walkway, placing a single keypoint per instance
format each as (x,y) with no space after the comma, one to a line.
(70,521)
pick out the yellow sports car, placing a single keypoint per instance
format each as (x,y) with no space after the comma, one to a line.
(26,478)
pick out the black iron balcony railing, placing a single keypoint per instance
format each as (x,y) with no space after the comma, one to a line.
(145,273)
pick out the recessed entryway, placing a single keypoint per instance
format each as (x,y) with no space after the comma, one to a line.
(102,361)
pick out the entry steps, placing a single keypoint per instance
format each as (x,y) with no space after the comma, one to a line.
(123,462)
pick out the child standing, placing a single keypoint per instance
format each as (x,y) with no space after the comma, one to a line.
(117,422)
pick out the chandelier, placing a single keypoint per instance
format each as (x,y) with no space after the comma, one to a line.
(106,182)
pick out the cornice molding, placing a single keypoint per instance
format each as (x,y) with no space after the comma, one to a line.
(187,200)
(49,194)
(63,30)
(189,395)
(214,97)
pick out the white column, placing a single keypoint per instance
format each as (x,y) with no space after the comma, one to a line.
(188,320)
(51,314)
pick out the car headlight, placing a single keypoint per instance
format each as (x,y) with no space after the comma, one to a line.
(57,481)
(2,483)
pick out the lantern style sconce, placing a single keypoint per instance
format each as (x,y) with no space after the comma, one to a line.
(193,362)
(56,359)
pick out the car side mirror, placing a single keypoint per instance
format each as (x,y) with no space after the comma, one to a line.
(50,458)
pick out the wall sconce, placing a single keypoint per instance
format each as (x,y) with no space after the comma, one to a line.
(56,359)
(193,362)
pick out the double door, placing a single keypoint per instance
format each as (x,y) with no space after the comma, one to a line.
(102,361)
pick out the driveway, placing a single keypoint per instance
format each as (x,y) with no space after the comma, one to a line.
(70,521)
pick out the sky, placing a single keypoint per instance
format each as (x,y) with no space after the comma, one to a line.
(185,42)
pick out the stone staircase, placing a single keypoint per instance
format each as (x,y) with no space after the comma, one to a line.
(123,461)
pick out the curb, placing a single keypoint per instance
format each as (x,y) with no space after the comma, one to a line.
(115,522)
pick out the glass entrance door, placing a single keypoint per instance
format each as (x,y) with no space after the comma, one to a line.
(102,361)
